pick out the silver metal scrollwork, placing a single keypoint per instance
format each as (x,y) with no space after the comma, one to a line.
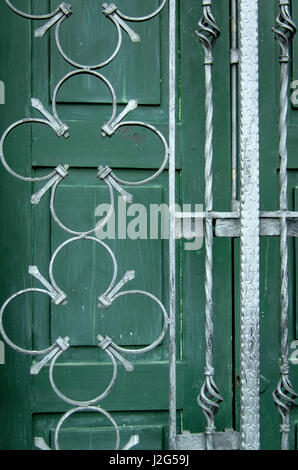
(63,11)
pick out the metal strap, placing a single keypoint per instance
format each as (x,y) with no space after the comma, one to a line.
(209,398)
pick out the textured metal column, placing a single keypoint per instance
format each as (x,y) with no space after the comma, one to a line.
(172,243)
(249,278)
(284,396)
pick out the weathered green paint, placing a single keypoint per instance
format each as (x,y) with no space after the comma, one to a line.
(139,400)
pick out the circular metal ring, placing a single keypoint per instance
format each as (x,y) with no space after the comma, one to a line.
(166,154)
(88,402)
(101,224)
(142,18)
(164,328)
(31,17)
(87,408)
(88,67)
(4,335)
(5,164)
(88,72)
(74,239)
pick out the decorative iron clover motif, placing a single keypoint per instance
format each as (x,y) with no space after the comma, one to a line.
(53,352)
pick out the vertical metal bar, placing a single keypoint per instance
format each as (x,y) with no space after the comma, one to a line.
(249,251)
(234,61)
(284,396)
(209,398)
(172,242)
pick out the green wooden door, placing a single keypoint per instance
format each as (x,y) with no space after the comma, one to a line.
(31,67)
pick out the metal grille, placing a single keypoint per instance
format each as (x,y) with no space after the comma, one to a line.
(114,183)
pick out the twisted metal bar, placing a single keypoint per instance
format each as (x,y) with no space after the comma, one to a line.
(142,18)
(98,226)
(90,66)
(209,398)
(284,396)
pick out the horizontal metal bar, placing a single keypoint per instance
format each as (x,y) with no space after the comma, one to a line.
(228,440)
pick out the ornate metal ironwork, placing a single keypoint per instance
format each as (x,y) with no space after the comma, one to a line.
(209,398)
(249,222)
(112,293)
(284,396)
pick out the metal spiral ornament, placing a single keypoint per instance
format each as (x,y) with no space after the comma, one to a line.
(209,398)
(284,396)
